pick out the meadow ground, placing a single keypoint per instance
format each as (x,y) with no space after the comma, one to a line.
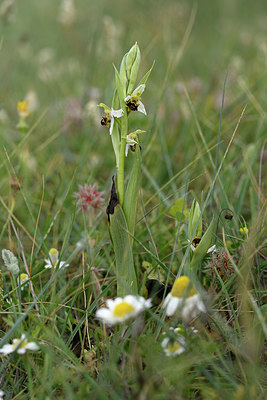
(205,140)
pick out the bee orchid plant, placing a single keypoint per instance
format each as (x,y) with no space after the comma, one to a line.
(123,201)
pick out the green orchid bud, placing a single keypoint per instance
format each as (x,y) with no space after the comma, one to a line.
(123,74)
(133,59)
(195,222)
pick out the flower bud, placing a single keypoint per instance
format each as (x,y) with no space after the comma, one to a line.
(132,63)
(123,74)
(10,261)
(195,222)
(53,254)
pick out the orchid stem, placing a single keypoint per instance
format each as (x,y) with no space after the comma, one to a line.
(120,178)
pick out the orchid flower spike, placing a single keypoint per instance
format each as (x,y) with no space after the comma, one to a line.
(133,101)
(108,119)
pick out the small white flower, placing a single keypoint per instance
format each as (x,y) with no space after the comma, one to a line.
(22,280)
(10,261)
(121,309)
(19,346)
(108,119)
(131,140)
(67,12)
(2,394)
(212,249)
(133,101)
(174,344)
(31,98)
(53,261)
(184,297)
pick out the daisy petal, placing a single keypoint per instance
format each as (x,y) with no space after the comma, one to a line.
(32,346)
(7,349)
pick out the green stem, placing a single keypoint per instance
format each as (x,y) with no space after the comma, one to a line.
(120,171)
(29,375)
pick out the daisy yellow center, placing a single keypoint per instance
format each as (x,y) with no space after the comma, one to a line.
(122,309)
(22,106)
(173,347)
(180,286)
(20,343)
(53,252)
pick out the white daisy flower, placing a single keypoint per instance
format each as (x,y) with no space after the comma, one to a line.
(19,346)
(22,280)
(121,309)
(131,140)
(133,101)
(52,262)
(175,344)
(195,243)
(184,296)
(108,119)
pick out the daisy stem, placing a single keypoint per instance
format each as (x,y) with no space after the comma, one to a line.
(120,172)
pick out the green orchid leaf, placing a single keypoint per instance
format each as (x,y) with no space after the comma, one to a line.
(123,74)
(120,89)
(203,246)
(146,76)
(131,195)
(125,271)
(179,209)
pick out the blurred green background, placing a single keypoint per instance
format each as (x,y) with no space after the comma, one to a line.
(60,54)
